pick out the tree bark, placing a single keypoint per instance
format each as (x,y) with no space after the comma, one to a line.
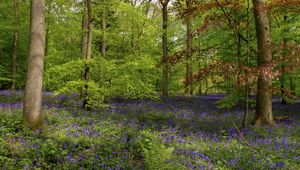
(15,46)
(284,53)
(90,29)
(35,65)
(189,41)
(263,115)
(14,60)
(206,78)
(84,32)
(86,48)
(165,81)
(200,82)
(246,97)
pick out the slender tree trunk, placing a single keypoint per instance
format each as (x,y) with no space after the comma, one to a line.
(84,33)
(86,48)
(165,47)
(282,84)
(35,65)
(103,29)
(206,79)
(84,45)
(199,64)
(15,45)
(246,99)
(189,41)
(292,76)
(284,53)
(200,82)
(90,29)
(263,115)
(14,60)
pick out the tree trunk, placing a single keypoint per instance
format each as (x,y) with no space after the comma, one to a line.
(189,41)
(15,46)
(87,48)
(165,48)
(84,33)
(35,65)
(206,78)
(263,115)
(199,64)
(200,82)
(83,46)
(246,97)
(90,29)
(284,53)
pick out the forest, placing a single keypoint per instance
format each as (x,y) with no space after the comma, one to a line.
(150,84)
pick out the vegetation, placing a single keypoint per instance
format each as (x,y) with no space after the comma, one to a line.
(149,84)
(175,133)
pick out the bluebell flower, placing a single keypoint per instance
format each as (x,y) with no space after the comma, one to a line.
(103,166)
(69,157)
(280,163)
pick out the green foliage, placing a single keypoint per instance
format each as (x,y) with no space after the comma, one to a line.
(136,136)
(156,155)
(68,141)
(3,73)
(230,100)
(56,77)
(155,119)
(132,79)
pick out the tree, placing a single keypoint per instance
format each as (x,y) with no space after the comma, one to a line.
(189,46)
(15,45)
(35,65)
(87,26)
(165,85)
(284,53)
(263,114)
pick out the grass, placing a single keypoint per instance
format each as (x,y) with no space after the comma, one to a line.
(175,133)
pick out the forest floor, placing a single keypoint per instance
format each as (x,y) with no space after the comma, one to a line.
(171,133)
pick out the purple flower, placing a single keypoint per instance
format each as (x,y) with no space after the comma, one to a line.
(280,163)
(69,157)
(76,134)
(65,145)
(103,166)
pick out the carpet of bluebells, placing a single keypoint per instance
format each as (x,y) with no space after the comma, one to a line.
(171,133)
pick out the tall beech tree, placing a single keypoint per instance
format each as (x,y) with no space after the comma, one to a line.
(164,4)
(90,29)
(263,114)
(284,53)
(15,44)
(35,65)
(87,26)
(189,46)
(84,26)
